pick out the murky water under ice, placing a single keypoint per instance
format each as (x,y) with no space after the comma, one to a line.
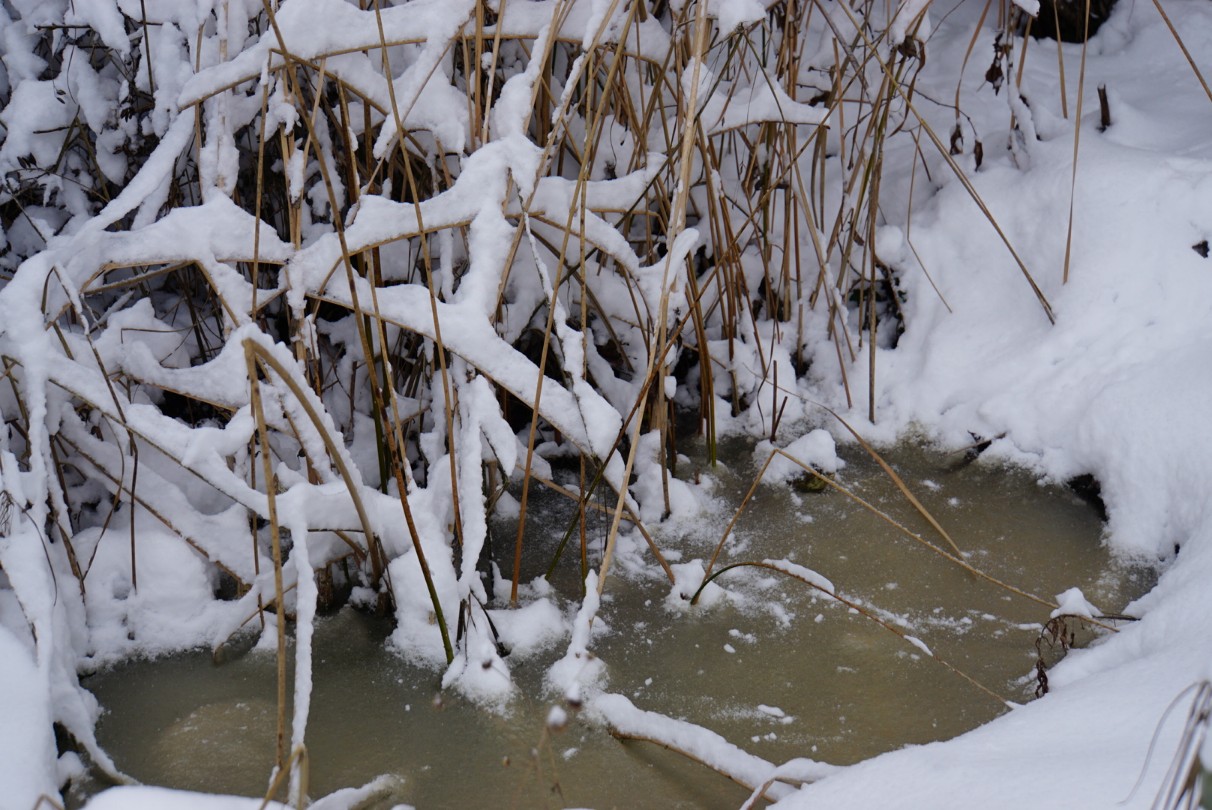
(780,671)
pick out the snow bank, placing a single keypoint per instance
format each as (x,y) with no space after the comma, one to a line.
(1118,388)
(26,759)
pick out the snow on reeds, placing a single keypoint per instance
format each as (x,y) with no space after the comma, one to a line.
(305,284)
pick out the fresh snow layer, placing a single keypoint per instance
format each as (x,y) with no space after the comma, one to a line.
(26,758)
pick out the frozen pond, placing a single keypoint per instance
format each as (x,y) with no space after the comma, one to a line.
(778,669)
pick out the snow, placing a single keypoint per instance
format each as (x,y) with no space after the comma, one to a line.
(998,765)
(531,628)
(154,798)
(557,718)
(580,671)
(688,577)
(1073,603)
(623,717)
(26,759)
(163,612)
(34,109)
(1112,390)
(762,101)
(815,449)
(913,13)
(773,711)
(732,14)
(921,645)
(1117,387)
(806,575)
(576,21)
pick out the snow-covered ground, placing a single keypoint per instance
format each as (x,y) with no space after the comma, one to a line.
(1118,387)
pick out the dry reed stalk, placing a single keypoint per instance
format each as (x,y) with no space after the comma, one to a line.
(774,565)
(956,558)
(298,760)
(440,352)
(1077,138)
(656,362)
(276,546)
(1178,40)
(1183,785)
(670,745)
(584,502)
(363,320)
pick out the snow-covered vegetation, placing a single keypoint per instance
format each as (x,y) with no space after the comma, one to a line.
(296,293)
